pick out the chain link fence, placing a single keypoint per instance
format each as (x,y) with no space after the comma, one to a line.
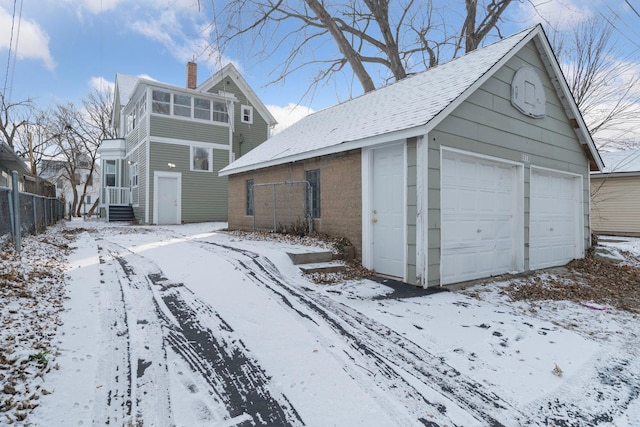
(25,213)
(282,207)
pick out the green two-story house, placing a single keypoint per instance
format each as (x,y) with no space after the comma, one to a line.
(171,142)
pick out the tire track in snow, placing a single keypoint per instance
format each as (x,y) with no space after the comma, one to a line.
(206,342)
(113,393)
(382,350)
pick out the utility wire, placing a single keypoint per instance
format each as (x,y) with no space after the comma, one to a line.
(15,52)
(6,76)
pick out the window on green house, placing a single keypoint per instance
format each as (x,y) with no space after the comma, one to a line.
(133,173)
(161,102)
(202,108)
(220,113)
(246,113)
(182,105)
(201,159)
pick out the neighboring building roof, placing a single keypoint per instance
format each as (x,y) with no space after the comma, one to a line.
(626,161)
(9,160)
(230,71)
(410,107)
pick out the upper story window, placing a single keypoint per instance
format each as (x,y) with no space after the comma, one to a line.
(142,105)
(246,114)
(131,121)
(202,108)
(220,113)
(182,105)
(161,102)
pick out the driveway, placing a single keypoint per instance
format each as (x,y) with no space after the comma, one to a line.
(192,326)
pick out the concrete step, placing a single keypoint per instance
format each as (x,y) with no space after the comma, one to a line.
(310,257)
(323,267)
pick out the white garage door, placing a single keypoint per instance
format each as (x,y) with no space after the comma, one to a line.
(480,212)
(555,228)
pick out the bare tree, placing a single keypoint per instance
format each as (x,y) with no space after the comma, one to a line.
(390,38)
(76,134)
(14,116)
(604,87)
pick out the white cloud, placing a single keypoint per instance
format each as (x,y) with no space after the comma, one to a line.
(102,85)
(559,14)
(288,115)
(32,42)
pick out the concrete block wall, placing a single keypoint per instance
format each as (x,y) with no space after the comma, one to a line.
(340,194)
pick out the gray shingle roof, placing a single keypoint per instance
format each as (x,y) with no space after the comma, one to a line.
(406,104)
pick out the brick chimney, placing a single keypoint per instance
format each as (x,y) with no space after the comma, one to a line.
(192,75)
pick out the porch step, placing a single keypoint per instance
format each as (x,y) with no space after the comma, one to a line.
(121,213)
(310,257)
(323,267)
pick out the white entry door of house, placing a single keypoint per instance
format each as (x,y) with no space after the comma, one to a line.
(555,225)
(387,210)
(480,218)
(167,197)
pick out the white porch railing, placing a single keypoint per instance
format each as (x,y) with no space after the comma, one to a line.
(117,196)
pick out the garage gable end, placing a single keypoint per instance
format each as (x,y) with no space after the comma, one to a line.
(511,192)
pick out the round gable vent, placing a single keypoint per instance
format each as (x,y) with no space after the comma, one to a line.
(527,93)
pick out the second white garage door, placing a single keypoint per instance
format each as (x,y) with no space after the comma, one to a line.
(481,217)
(555,230)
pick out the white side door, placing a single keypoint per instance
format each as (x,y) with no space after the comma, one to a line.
(167,198)
(388,210)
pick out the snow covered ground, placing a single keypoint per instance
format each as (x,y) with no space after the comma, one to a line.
(191,326)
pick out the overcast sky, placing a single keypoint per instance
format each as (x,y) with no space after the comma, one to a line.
(60,49)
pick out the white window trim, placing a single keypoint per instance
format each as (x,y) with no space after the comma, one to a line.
(210,159)
(242,110)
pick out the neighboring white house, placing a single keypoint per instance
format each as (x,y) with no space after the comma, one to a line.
(615,194)
(55,172)
(474,168)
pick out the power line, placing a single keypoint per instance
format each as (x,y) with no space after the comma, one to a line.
(632,8)
(6,76)
(15,51)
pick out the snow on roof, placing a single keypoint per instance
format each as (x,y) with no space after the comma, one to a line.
(621,161)
(406,104)
(126,85)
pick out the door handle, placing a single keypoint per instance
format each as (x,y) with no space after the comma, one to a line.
(374,220)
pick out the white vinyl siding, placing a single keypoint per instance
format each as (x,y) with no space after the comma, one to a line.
(615,204)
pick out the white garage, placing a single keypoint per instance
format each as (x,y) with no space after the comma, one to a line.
(481,217)
(555,225)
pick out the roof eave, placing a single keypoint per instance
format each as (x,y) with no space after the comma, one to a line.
(332,149)
(229,69)
(568,102)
